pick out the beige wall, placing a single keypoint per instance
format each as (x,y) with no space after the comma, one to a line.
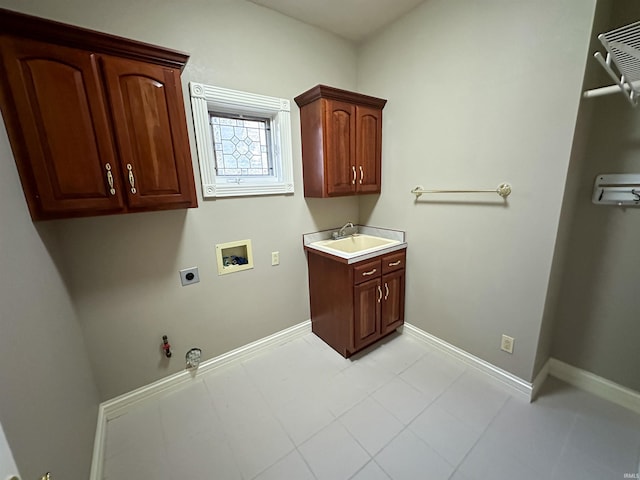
(479,93)
(48,399)
(123,270)
(596,310)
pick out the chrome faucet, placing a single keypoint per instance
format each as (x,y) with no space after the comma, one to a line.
(341,233)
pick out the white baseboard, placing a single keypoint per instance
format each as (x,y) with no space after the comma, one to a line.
(540,379)
(518,385)
(99,442)
(118,406)
(592,383)
(577,377)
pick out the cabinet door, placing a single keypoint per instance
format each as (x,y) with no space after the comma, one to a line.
(59,129)
(340,144)
(366,319)
(392,312)
(368,149)
(150,128)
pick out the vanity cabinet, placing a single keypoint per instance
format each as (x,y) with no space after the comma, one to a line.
(354,305)
(96,123)
(341,142)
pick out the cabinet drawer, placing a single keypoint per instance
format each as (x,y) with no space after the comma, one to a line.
(366,271)
(394,261)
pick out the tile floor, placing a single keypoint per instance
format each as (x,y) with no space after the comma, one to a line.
(399,411)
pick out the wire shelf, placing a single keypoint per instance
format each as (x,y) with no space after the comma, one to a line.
(623,53)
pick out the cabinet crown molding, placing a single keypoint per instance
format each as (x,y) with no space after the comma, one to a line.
(324,91)
(44,30)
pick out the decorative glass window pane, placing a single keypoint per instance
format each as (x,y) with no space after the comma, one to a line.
(241,145)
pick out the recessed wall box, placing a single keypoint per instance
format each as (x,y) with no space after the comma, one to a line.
(234,256)
(621,189)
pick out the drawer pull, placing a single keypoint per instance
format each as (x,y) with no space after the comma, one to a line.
(353,182)
(394,264)
(379,294)
(112,190)
(386,290)
(371,272)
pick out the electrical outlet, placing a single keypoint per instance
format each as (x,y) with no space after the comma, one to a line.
(275,258)
(189,276)
(507,344)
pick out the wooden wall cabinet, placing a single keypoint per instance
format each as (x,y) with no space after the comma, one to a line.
(96,122)
(354,305)
(341,142)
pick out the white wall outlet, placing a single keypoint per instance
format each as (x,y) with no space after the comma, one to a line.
(189,276)
(275,258)
(507,344)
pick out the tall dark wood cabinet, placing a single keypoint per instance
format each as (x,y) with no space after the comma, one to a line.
(96,122)
(341,142)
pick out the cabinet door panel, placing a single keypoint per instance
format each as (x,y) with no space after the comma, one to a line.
(392,315)
(369,149)
(340,125)
(150,127)
(63,128)
(366,313)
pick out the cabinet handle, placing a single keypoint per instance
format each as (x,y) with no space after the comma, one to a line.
(393,264)
(353,182)
(379,294)
(386,291)
(132,180)
(112,190)
(371,272)
(361,174)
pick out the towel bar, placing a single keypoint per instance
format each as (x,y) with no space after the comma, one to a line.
(504,189)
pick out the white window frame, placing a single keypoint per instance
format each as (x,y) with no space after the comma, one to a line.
(207,98)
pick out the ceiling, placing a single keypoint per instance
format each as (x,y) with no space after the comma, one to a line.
(354,20)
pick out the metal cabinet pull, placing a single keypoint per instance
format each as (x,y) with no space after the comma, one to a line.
(112,190)
(379,294)
(132,181)
(353,182)
(386,290)
(393,264)
(371,272)
(361,174)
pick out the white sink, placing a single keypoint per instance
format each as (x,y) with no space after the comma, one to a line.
(353,245)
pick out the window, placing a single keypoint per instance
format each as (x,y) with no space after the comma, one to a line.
(243,142)
(241,146)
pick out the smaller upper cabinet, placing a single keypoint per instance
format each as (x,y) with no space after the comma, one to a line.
(96,122)
(341,142)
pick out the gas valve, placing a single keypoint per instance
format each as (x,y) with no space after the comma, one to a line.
(166,346)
